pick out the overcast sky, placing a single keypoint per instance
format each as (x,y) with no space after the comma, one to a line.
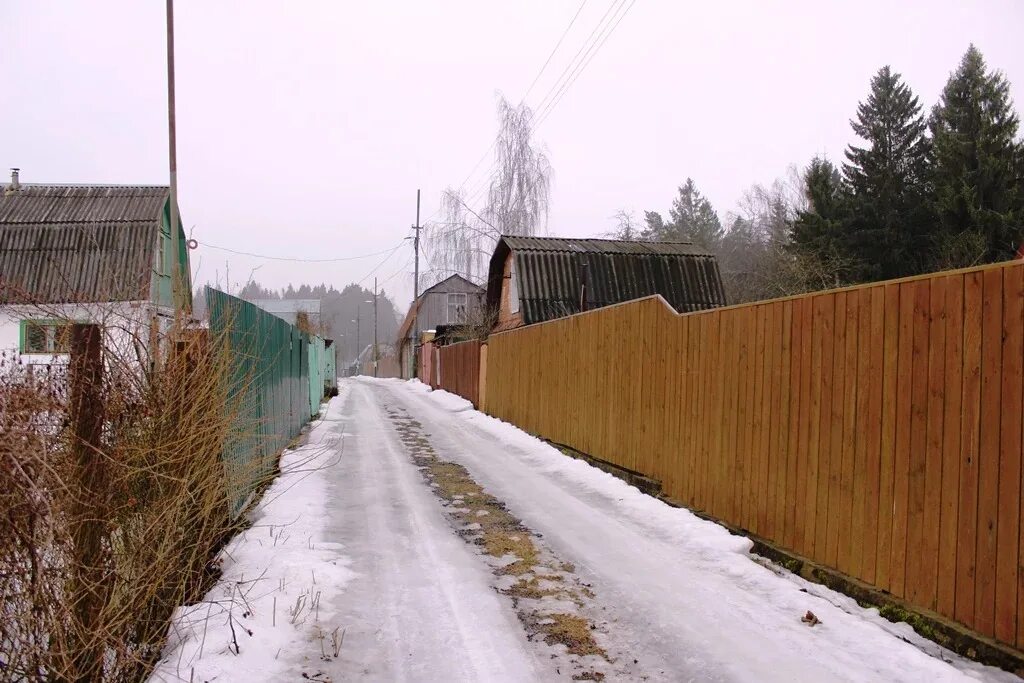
(305,128)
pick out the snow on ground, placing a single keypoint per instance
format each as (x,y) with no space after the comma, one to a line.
(683,591)
(264,619)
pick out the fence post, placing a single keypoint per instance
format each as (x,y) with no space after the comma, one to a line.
(90,587)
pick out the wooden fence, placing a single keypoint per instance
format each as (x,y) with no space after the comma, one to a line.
(459,370)
(875,430)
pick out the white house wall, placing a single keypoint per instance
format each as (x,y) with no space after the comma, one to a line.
(125,324)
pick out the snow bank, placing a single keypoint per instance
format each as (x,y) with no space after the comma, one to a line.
(726,585)
(279,578)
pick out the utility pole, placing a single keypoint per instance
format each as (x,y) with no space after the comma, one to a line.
(376,355)
(416,291)
(176,277)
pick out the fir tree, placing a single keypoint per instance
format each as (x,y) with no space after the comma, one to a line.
(886,230)
(693,219)
(818,237)
(976,158)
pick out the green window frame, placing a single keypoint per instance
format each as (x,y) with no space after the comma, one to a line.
(44,337)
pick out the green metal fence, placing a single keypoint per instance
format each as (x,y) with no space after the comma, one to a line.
(277,374)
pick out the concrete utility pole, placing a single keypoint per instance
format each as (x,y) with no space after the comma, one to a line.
(376,355)
(176,277)
(416,290)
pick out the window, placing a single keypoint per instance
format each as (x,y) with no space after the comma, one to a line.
(457,307)
(45,336)
(513,288)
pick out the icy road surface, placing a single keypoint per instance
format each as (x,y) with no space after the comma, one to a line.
(674,597)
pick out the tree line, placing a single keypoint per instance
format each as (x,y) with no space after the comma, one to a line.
(920,193)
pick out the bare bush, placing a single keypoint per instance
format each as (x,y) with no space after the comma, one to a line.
(155,507)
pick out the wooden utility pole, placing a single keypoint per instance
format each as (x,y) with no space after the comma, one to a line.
(416,291)
(176,277)
(376,355)
(90,590)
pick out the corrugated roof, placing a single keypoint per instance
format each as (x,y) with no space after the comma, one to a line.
(558,277)
(49,204)
(75,243)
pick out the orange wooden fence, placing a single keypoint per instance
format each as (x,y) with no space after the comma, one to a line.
(875,429)
(459,370)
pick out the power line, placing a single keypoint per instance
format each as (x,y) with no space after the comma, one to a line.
(579,62)
(587,59)
(385,260)
(536,78)
(573,62)
(297,260)
(553,51)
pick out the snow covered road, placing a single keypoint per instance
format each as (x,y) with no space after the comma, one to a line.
(678,594)
(453,547)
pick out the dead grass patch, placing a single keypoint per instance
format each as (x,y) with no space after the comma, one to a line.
(500,535)
(571,630)
(532,589)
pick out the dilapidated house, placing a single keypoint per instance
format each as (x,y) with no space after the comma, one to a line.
(533,279)
(101,254)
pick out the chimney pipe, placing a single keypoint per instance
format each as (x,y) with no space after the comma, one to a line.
(15,183)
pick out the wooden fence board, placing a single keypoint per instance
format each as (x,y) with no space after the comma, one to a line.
(970,426)
(803,520)
(1008,526)
(918,433)
(936,399)
(835,432)
(824,446)
(872,431)
(988,452)
(947,564)
(849,442)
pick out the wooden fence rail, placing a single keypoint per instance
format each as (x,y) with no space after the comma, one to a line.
(875,430)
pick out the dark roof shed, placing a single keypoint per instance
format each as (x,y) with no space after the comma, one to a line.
(560,276)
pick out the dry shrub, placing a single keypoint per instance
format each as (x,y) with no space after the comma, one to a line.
(100,543)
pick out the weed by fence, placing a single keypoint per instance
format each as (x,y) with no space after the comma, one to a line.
(122,473)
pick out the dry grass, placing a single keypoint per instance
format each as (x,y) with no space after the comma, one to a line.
(100,542)
(570,630)
(486,522)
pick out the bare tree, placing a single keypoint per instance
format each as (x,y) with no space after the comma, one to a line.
(626,226)
(517,202)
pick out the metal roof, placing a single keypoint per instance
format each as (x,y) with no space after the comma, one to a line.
(77,243)
(558,277)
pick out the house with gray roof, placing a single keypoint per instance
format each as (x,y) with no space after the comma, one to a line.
(87,253)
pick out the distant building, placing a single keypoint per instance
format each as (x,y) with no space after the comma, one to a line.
(533,279)
(453,301)
(289,309)
(102,254)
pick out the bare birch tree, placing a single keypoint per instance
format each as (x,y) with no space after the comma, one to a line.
(517,201)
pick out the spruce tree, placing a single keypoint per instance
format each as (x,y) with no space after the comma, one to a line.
(976,158)
(693,219)
(818,236)
(889,219)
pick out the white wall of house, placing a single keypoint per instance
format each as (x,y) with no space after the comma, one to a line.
(127,326)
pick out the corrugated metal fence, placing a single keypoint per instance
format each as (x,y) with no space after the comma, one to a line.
(875,430)
(279,371)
